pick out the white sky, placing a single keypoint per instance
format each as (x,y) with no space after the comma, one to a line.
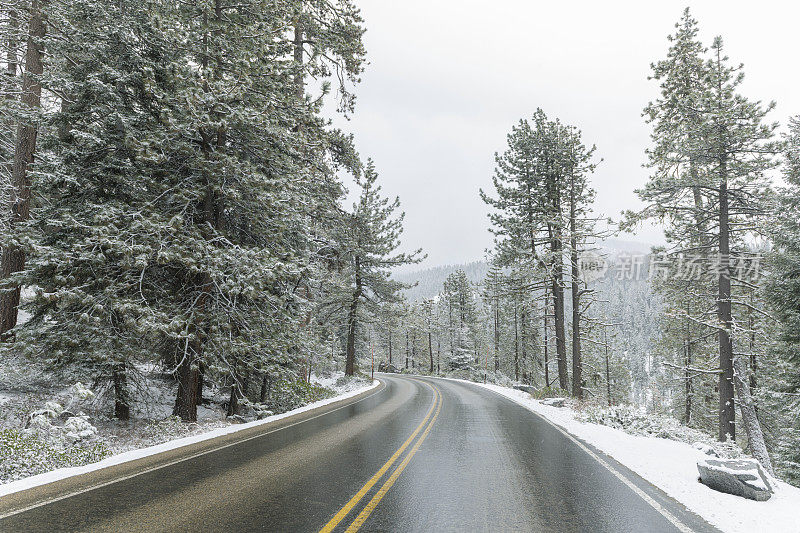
(448,79)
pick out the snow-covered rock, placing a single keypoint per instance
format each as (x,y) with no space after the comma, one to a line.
(525,388)
(554,402)
(78,428)
(740,477)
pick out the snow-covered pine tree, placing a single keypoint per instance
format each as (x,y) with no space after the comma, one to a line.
(369,242)
(458,297)
(783,291)
(541,213)
(711,151)
(175,194)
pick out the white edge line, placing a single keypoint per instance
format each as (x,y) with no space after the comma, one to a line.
(176,461)
(642,494)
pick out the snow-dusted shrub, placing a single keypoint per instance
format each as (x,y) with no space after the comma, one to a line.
(288,395)
(163,430)
(54,407)
(27,453)
(637,422)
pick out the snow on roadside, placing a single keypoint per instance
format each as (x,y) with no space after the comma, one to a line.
(61,473)
(672,467)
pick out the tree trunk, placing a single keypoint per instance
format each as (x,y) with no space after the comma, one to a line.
(430,351)
(727,410)
(413,348)
(546,339)
(122,409)
(188,376)
(238,390)
(13,258)
(496,335)
(390,346)
(577,364)
(688,373)
(516,344)
(406,349)
(558,313)
(752,426)
(523,341)
(263,393)
(352,317)
(201,380)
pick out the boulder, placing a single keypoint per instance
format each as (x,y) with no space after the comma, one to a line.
(741,477)
(238,419)
(554,402)
(525,388)
(78,428)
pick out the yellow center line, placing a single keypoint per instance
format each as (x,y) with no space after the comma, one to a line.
(376,499)
(374,479)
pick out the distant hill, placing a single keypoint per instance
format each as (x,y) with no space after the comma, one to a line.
(430,281)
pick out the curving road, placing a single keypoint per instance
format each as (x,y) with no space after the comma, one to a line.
(417,454)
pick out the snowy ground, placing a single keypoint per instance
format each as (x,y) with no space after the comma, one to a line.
(671,466)
(51,428)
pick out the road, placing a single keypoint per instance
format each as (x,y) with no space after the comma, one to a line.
(418,454)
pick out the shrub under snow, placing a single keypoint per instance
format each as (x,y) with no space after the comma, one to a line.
(637,422)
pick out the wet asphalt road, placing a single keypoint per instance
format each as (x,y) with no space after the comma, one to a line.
(420,454)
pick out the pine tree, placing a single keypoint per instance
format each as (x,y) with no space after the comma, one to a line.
(783,291)
(711,152)
(541,214)
(370,243)
(458,297)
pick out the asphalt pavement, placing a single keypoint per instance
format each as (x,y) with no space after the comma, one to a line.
(417,454)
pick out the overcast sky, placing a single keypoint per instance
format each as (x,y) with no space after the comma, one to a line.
(447,79)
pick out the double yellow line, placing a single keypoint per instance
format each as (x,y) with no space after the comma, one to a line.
(436,407)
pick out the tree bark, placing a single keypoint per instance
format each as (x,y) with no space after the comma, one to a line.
(752,426)
(546,344)
(390,346)
(430,350)
(188,376)
(557,288)
(352,317)
(577,364)
(13,258)
(516,344)
(496,335)
(688,373)
(263,393)
(727,410)
(122,409)
(406,349)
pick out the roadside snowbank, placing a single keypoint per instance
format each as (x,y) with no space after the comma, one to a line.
(61,473)
(672,467)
